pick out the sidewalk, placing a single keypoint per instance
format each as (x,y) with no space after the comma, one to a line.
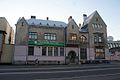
(55,66)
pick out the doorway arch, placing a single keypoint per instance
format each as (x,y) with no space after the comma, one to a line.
(72,56)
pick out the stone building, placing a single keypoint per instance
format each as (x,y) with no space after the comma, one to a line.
(6,39)
(56,42)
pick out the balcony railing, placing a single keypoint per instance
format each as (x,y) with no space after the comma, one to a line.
(76,42)
(99,44)
(72,42)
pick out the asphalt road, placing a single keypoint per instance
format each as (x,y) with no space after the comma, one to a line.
(61,72)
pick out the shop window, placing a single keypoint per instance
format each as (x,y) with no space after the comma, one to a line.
(49,51)
(83,53)
(61,51)
(43,51)
(55,51)
(30,51)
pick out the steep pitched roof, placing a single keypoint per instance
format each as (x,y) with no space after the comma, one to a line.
(49,23)
(90,17)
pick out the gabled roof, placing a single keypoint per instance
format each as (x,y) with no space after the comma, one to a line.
(49,23)
(90,17)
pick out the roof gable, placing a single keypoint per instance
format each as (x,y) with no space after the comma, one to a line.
(91,16)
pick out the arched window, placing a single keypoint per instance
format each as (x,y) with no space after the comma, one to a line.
(83,39)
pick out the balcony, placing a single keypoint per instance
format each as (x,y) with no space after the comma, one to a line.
(76,42)
(99,44)
(72,43)
(84,44)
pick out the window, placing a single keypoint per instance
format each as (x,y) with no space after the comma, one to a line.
(99,53)
(30,51)
(82,38)
(32,35)
(83,53)
(101,26)
(99,50)
(95,39)
(22,24)
(43,51)
(61,51)
(40,23)
(73,36)
(54,25)
(49,36)
(72,26)
(100,39)
(49,51)
(96,19)
(55,51)
(98,26)
(93,25)
(47,24)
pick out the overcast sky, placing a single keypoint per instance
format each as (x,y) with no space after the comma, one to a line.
(60,10)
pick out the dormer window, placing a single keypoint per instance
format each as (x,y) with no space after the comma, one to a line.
(47,24)
(54,25)
(32,23)
(40,23)
(61,25)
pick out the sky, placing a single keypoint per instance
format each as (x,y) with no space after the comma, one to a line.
(60,10)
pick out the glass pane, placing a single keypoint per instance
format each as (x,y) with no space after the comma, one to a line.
(43,51)
(49,51)
(56,51)
(61,51)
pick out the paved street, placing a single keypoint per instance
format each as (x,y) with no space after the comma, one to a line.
(61,72)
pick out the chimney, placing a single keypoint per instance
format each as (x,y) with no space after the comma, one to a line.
(79,25)
(47,18)
(84,17)
(69,18)
(33,17)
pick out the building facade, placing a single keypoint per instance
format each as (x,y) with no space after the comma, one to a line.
(55,42)
(114,49)
(6,38)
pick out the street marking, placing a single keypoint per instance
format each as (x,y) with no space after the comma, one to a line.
(11,73)
(69,78)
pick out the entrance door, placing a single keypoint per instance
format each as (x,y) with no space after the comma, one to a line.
(72,56)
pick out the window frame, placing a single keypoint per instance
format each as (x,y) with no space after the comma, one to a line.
(33,35)
(44,51)
(55,51)
(30,50)
(50,36)
(50,51)
(61,51)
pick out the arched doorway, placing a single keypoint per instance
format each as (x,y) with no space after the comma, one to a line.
(72,56)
